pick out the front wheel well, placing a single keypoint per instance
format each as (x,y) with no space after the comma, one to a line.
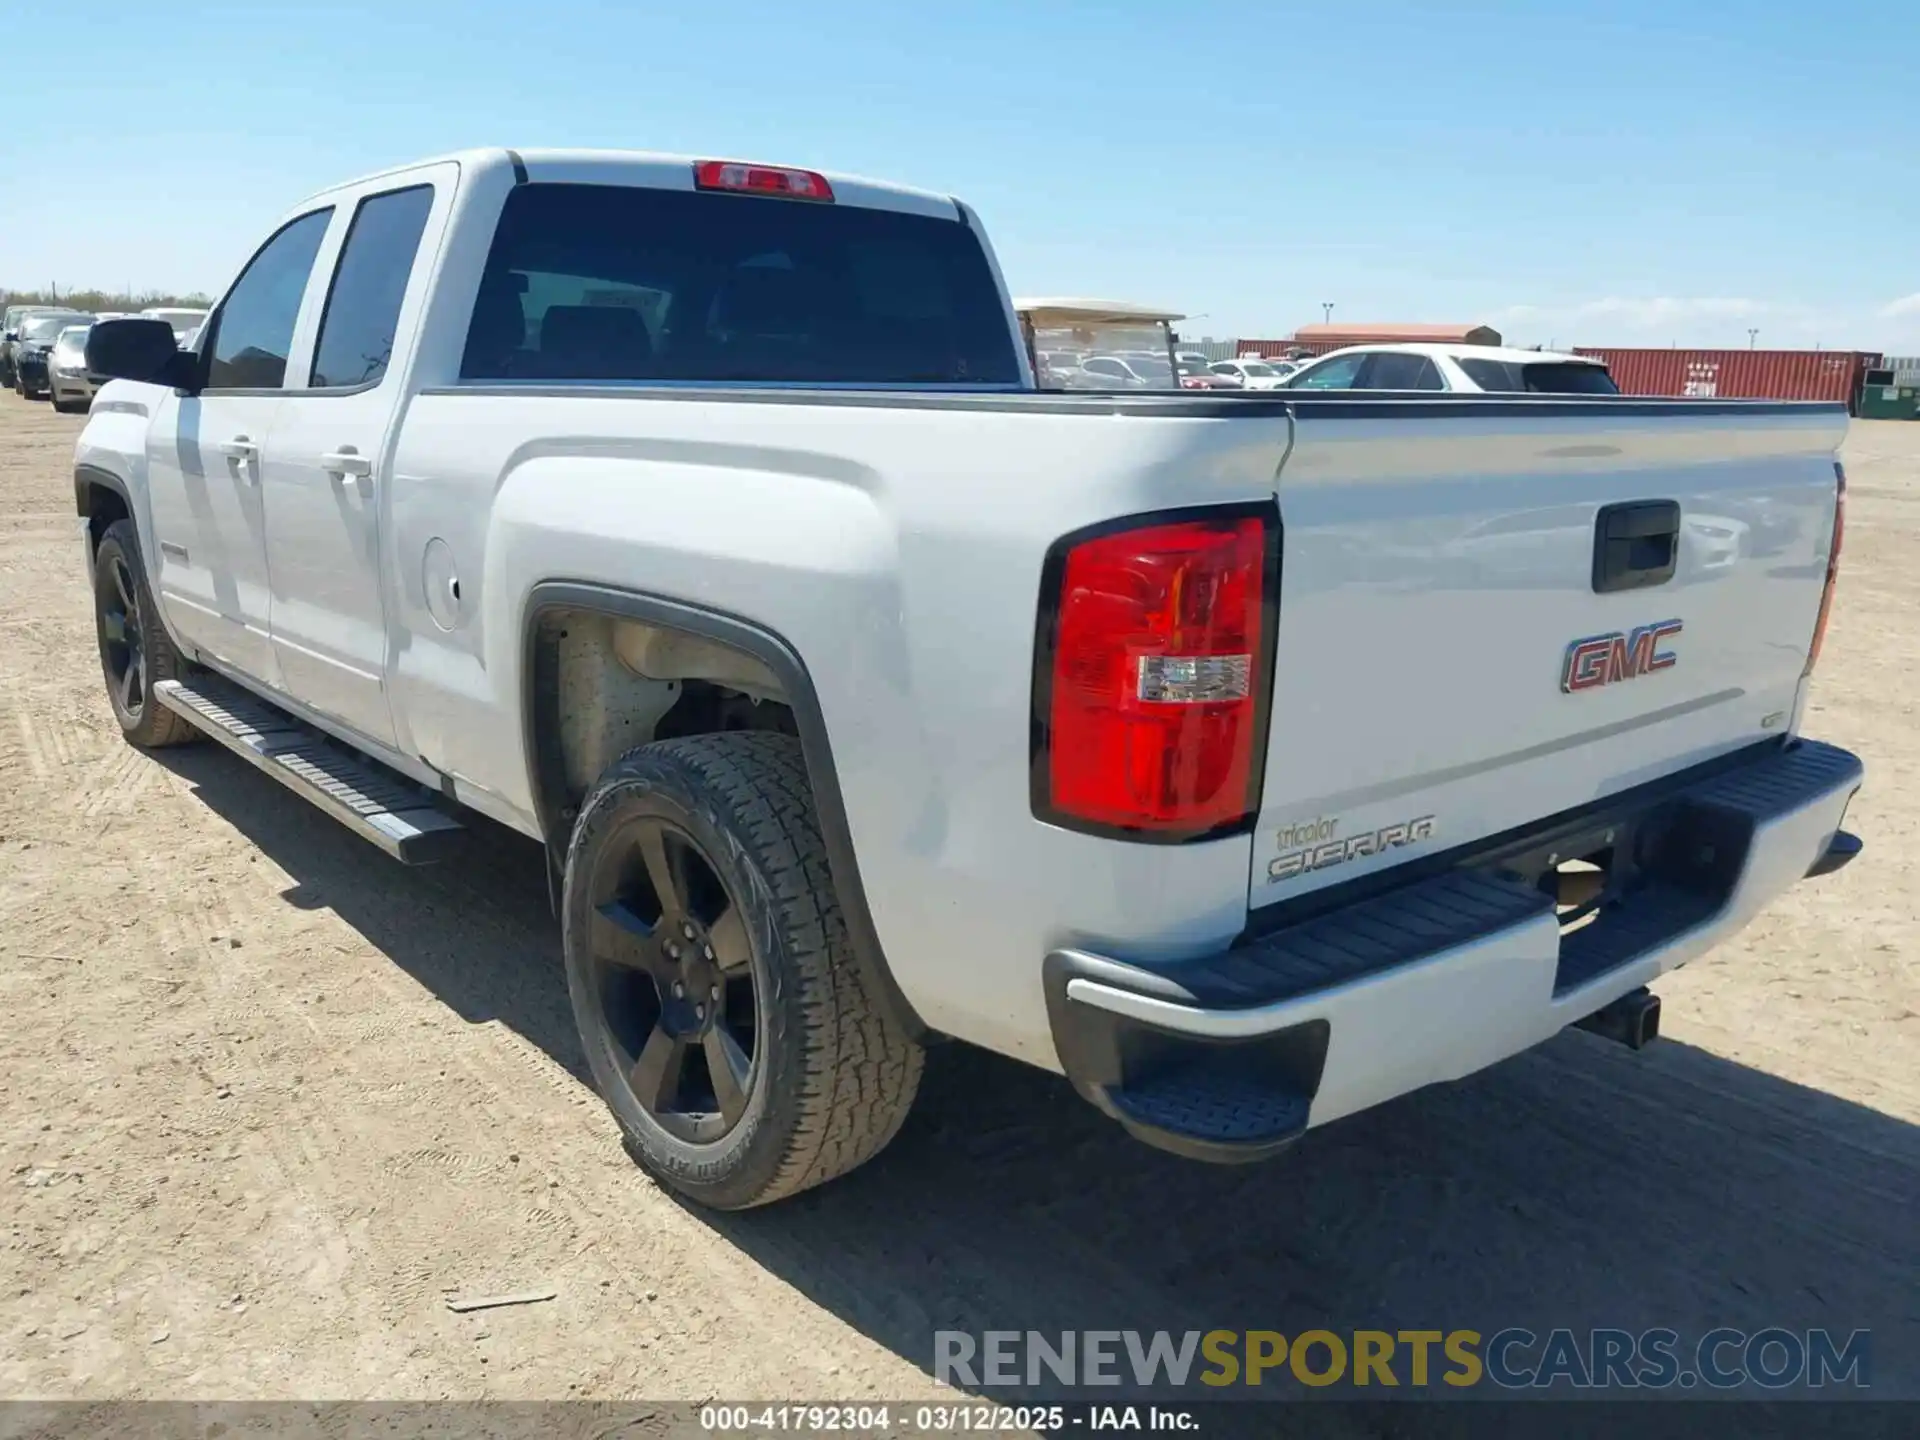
(101,504)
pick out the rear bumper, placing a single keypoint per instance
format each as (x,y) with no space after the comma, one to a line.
(1234,1056)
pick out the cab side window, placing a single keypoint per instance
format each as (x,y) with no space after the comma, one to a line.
(253,331)
(1396,370)
(363,308)
(1335,374)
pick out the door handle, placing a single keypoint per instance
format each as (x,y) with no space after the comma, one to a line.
(346,461)
(246,457)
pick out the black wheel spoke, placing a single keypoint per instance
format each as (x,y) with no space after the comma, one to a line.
(620,937)
(129,679)
(120,584)
(665,872)
(685,1037)
(658,1071)
(113,625)
(728,936)
(732,1072)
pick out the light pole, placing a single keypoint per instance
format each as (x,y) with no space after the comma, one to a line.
(1326,311)
(1753,334)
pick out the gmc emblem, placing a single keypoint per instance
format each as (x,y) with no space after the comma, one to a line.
(1607,659)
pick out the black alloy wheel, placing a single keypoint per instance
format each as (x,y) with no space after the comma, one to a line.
(136,653)
(723,1014)
(123,651)
(672,979)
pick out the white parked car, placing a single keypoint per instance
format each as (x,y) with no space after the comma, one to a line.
(1131,372)
(69,385)
(861,692)
(1471,369)
(1254,374)
(185,322)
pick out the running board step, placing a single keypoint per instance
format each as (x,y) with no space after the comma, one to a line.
(370,801)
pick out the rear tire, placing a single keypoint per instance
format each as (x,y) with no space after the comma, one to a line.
(741,987)
(135,651)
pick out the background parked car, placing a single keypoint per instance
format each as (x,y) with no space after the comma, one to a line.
(1147,372)
(1196,373)
(1464,369)
(17,319)
(1057,370)
(69,385)
(35,343)
(185,322)
(1253,374)
(1110,372)
(8,322)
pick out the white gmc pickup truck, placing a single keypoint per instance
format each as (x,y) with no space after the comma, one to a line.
(1249,758)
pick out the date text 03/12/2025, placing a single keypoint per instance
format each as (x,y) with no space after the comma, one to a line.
(957,1418)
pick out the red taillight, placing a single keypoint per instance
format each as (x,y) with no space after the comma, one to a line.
(761,180)
(1153,686)
(1833,565)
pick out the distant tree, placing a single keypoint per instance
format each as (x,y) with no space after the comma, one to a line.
(97,301)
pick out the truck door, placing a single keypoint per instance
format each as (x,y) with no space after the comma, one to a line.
(204,456)
(326,467)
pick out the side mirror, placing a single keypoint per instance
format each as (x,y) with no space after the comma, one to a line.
(10,336)
(139,349)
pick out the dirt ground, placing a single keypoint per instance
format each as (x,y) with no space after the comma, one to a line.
(266,1099)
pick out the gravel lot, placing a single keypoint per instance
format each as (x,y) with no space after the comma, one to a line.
(267,1098)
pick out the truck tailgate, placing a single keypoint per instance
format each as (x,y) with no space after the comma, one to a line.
(1454,661)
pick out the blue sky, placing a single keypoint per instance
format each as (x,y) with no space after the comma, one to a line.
(1630,172)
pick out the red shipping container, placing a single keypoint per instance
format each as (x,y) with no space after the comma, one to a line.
(1281,349)
(1739,374)
(1322,339)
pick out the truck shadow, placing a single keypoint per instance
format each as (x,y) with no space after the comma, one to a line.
(1579,1185)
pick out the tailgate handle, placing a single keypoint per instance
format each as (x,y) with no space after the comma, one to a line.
(1635,545)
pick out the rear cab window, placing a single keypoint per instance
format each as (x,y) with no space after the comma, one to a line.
(628,283)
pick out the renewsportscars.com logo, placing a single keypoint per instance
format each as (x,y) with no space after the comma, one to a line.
(1772,1359)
